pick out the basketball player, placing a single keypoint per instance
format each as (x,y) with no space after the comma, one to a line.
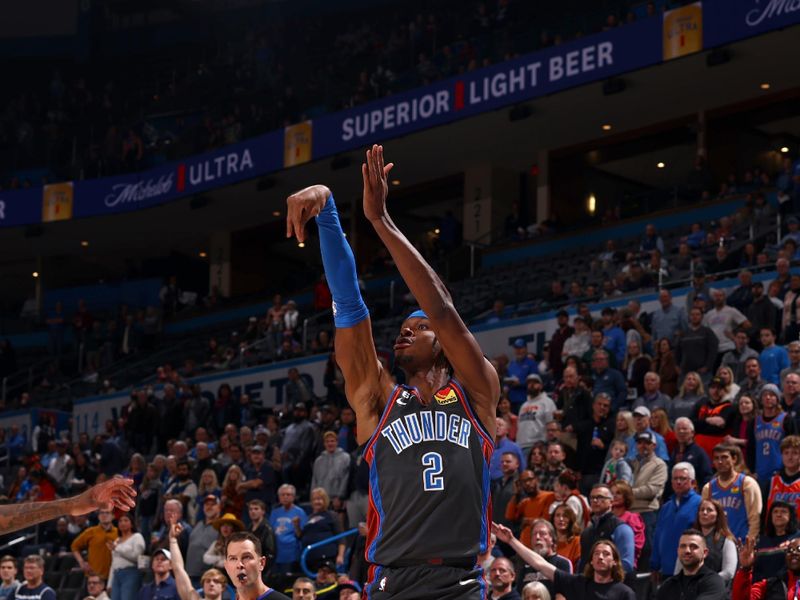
(428,443)
(114,493)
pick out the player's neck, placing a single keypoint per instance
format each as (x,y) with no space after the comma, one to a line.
(251,592)
(428,382)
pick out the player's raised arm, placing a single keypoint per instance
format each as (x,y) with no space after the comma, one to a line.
(114,493)
(366,386)
(461,348)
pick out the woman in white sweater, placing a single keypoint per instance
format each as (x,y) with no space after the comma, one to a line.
(125,578)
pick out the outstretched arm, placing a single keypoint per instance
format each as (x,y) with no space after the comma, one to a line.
(114,493)
(529,556)
(366,385)
(182,582)
(460,347)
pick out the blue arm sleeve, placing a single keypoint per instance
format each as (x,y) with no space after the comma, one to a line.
(623,539)
(340,269)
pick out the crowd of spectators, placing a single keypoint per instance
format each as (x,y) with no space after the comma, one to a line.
(246,80)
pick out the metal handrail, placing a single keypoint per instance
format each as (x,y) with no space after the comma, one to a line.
(304,565)
(312,319)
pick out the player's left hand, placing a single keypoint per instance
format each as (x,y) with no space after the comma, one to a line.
(114,493)
(376,185)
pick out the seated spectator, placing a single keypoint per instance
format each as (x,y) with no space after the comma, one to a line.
(745,588)
(33,586)
(742,296)
(8,576)
(780,526)
(501,579)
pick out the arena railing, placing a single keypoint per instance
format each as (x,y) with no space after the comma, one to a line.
(304,556)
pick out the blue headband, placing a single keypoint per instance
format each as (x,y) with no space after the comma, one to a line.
(417,314)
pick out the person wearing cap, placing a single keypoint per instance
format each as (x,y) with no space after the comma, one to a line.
(163,586)
(332,469)
(534,414)
(641,424)
(562,333)
(736,491)
(697,348)
(649,479)
(349,589)
(226,525)
(203,535)
(326,582)
(765,434)
(773,358)
(517,374)
(675,516)
(260,477)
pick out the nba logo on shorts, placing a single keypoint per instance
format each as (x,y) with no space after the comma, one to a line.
(382,584)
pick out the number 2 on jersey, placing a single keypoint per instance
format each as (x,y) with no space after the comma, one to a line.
(432,479)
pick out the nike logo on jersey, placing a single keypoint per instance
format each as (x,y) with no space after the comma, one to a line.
(427,426)
(467,581)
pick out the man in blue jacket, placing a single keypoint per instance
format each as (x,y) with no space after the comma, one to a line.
(675,516)
(608,381)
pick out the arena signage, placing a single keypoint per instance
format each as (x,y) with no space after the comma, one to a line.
(730,20)
(578,62)
(20,207)
(228,165)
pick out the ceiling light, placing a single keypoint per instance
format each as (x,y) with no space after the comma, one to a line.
(202,254)
(35,274)
(592,204)
(395,182)
(276,213)
(764,86)
(436,231)
(301,245)
(661,165)
(785,149)
(606,127)
(85,243)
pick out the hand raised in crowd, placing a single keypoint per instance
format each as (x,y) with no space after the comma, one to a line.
(747,551)
(503,533)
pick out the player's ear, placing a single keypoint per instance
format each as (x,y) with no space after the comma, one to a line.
(262,563)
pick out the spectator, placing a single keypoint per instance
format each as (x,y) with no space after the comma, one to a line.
(766,433)
(752,383)
(332,470)
(183,489)
(578,343)
(649,479)
(163,585)
(501,578)
(737,492)
(504,412)
(664,364)
(232,494)
(744,588)
(522,511)
(713,523)
(226,525)
(125,578)
(507,485)
(675,516)
(613,336)
(259,481)
(723,320)
(260,527)
(742,296)
(762,312)
(518,371)
(602,579)
(641,424)
(697,349)
(668,321)
(298,446)
(617,467)
(543,543)
(783,278)
(635,365)
(605,525)
(173,513)
(213,581)
(780,526)
(690,394)
(699,289)
(554,465)
(694,580)
(287,521)
(773,359)
(568,530)
(621,507)
(651,396)
(96,540)
(608,381)
(503,445)
(793,349)
(735,359)
(8,576)
(567,493)
(651,240)
(322,524)
(534,414)
(712,417)
(573,400)
(557,341)
(33,586)
(688,451)
(202,536)
(785,483)
(594,436)
(96,588)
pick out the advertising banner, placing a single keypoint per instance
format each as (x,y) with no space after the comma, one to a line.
(592,58)
(20,207)
(228,165)
(57,202)
(683,31)
(297,143)
(730,20)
